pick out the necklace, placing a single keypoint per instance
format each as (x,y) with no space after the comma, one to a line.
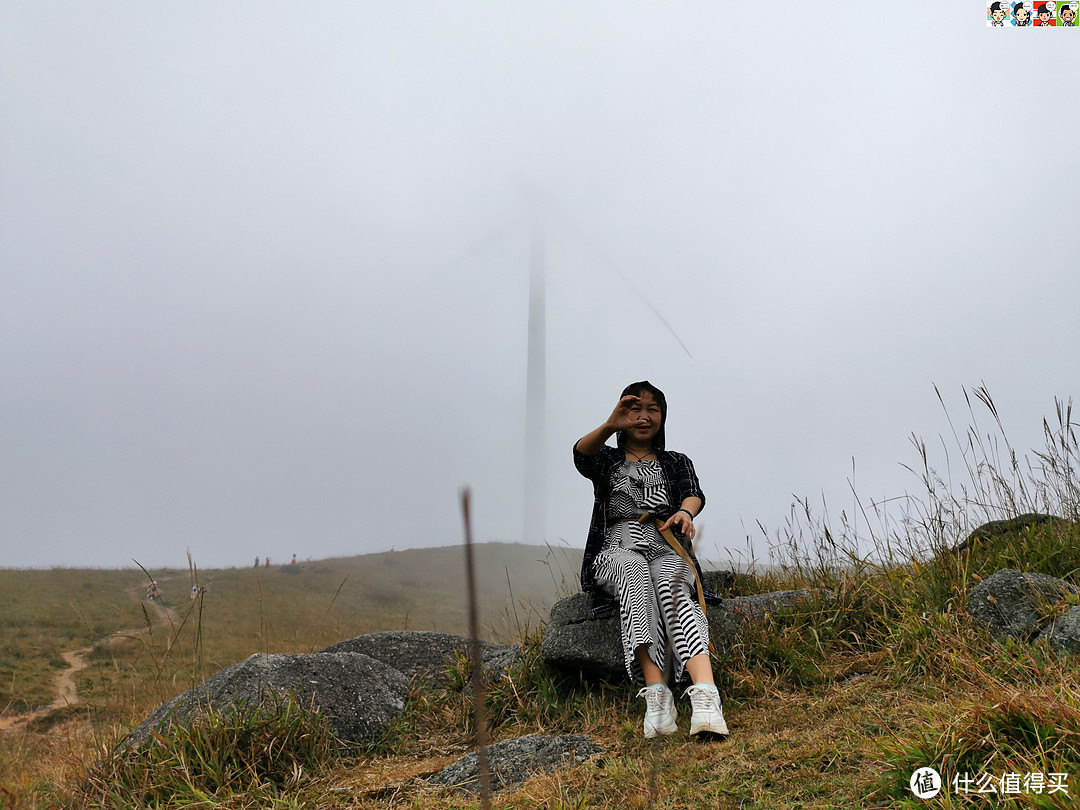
(636,456)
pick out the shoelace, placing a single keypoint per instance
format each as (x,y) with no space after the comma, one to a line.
(654,698)
(701,698)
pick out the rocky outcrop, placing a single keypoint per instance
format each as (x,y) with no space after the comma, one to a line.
(1015,605)
(1064,631)
(719,581)
(424,656)
(513,761)
(359,685)
(357,694)
(728,621)
(576,641)
(994,528)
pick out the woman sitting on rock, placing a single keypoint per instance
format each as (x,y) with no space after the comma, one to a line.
(646,499)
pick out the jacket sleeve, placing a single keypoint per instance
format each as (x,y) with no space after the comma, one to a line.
(689,486)
(687,481)
(593,468)
(589,466)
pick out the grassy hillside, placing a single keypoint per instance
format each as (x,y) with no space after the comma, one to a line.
(243,611)
(834,703)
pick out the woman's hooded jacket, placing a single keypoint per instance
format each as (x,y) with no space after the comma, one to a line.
(682,483)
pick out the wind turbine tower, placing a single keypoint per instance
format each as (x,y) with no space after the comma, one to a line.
(535,397)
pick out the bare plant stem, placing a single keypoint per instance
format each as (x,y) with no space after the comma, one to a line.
(479,714)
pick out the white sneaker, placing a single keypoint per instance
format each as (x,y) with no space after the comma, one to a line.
(660,713)
(707,718)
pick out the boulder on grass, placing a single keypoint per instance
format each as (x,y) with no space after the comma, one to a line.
(577,642)
(1064,631)
(754,609)
(358,695)
(1011,604)
(513,761)
(425,655)
(994,528)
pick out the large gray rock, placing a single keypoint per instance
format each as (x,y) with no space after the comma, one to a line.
(575,641)
(754,609)
(719,581)
(425,655)
(1064,631)
(994,528)
(513,761)
(359,695)
(1014,605)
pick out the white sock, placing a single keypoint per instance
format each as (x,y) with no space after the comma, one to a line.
(659,687)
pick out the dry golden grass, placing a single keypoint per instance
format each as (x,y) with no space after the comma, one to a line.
(832,704)
(927,689)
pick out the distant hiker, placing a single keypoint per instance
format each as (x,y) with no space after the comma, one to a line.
(293,560)
(256,562)
(194,591)
(267,562)
(152,591)
(638,556)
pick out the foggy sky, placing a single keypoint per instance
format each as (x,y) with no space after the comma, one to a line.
(264,267)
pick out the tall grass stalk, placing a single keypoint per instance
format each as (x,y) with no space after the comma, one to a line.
(999,485)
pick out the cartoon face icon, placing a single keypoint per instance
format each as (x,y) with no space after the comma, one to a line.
(1068,14)
(1045,15)
(1022,14)
(998,13)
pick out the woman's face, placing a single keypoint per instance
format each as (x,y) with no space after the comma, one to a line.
(1021,14)
(647,411)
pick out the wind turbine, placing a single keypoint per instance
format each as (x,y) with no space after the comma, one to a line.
(535,511)
(535,505)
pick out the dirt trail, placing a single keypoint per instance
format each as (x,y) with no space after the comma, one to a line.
(64,689)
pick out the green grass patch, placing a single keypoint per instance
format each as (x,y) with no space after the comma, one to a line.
(263,753)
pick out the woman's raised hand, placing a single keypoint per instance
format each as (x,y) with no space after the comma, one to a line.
(623,417)
(627,415)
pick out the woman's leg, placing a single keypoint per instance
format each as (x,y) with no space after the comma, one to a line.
(689,633)
(625,574)
(685,626)
(653,674)
(700,669)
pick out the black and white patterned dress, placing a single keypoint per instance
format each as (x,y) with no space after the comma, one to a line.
(653,584)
